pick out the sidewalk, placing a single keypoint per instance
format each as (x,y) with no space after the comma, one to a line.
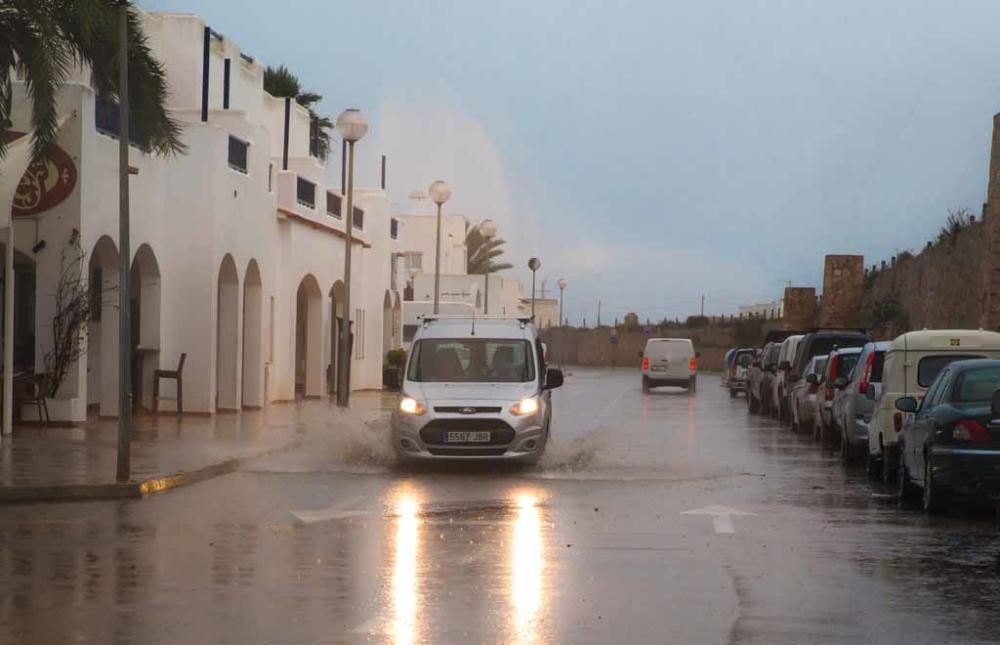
(66,464)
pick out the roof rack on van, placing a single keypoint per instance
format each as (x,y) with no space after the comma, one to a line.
(427,319)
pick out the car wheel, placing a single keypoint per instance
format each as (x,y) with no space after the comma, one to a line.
(889,468)
(904,487)
(846,453)
(935,496)
(872,465)
(645,385)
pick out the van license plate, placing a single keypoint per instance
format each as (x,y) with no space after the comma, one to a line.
(481,436)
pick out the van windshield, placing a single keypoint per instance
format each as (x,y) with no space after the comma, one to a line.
(468,360)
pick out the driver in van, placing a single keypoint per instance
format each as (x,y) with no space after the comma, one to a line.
(503,363)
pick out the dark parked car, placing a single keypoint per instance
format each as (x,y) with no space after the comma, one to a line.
(818,343)
(761,380)
(951,440)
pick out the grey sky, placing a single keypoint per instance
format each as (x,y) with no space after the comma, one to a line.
(652,151)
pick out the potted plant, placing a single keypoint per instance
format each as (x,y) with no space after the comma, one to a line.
(392,370)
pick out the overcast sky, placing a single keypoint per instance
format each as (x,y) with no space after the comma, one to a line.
(651,151)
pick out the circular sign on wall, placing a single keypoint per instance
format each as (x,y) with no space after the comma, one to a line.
(46,182)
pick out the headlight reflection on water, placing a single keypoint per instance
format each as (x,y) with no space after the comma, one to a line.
(527,570)
(404,573)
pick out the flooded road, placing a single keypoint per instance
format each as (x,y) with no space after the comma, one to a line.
(654,518)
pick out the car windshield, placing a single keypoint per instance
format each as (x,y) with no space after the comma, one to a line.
(930,366)
(480,360)
(977,386)
(744,360)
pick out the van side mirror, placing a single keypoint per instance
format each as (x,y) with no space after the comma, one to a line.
(995,404)
(553,378)
(812,379)
(907,404)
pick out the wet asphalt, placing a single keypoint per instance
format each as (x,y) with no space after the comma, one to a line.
(333,543)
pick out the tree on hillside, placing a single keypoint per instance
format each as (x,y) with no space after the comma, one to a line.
(483,252)
(281,82)
(42,41)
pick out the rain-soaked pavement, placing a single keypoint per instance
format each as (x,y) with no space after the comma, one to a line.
(333,544)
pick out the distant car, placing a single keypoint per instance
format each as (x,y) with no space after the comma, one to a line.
(951,443)
(912,361)
(761,380)
(739,371)
(669,361)
(804,395)
(779,407)
(818,343)
(727,362)
(854,401)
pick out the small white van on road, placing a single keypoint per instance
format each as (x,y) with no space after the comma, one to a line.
(669,361)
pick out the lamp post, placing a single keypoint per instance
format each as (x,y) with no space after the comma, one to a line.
(123,466)
(488,229)
(562,285)
(534,264)
(352,126)
(440,193)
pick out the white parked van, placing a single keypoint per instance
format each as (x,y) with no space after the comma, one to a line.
(785,358)
(912,361)
(669,361)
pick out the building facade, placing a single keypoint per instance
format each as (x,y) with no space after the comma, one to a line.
(237,246)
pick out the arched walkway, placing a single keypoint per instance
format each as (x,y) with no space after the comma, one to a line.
(145,313)
(336,323)
(227,393)
(253,367)
(308,340)
(102,337)
(386,323)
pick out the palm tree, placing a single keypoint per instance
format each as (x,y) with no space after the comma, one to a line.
(41,41)
(280,81)
(483,252)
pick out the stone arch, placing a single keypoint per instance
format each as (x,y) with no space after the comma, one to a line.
(144,301)
(253,355)
(102,336)
(308,339)
(227,339)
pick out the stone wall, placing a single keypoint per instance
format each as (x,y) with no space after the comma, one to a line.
(800,307)
(843,286)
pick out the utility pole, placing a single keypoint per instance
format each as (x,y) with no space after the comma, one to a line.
(703,305)
(598,313)
(123,468)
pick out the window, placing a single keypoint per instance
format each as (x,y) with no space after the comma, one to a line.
(394,228)
(333,205)
(877,364)
(414,260)
(977,385)
(845,366)
(238,155)
(359,218)
(107,119)
(930,366)
(472,360)
(305,192)
(96,289)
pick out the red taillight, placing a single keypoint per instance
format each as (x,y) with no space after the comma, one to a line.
(866,376)
(970,430)
(693,364)
(897,422)
(645,363)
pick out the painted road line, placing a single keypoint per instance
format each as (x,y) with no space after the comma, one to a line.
(722,516)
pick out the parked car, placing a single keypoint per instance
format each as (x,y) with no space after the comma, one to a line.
(669,361)
(912,362)
(761,380)
(804,395)
(789,346)
(854,401)
(475,389)
(739,371)
(839,370)
(818,343)
(727,362)
(951,442)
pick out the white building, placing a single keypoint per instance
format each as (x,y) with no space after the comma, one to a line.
(769,310)
(237,247)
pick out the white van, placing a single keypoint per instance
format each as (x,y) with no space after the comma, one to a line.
(912,361)
(785,358)
(669,361)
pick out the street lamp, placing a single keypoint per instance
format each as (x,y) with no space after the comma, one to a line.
(562,285)
(488,229)
(352,126)
(440,193)
(534,264)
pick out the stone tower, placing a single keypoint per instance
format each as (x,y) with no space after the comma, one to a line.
(991,213)
(843,288)
(800,308)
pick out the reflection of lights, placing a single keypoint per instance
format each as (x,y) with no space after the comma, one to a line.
(404,572)
(528,565)
(692,427)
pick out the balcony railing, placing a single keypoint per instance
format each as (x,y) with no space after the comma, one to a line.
(333,205)
(359,218)
(305,192)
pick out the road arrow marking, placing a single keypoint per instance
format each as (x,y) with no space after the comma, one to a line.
(722,516)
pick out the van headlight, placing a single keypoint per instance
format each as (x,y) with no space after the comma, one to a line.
(525,407)
(411,406)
